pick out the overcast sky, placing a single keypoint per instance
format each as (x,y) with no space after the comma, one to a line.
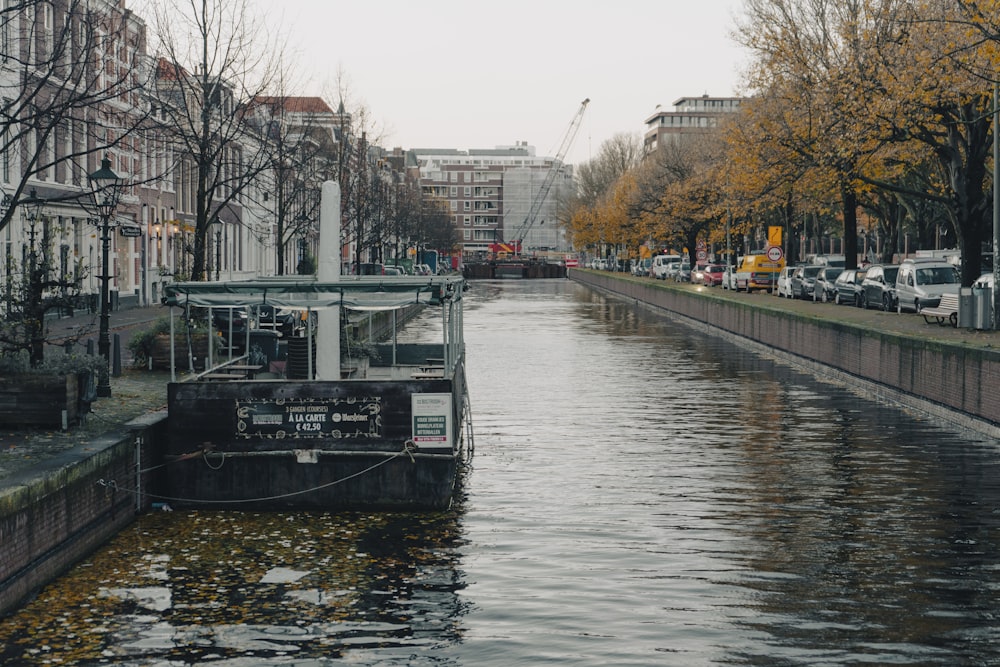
(461,74)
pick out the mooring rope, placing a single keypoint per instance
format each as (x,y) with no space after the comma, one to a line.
(182,457)
(407,450)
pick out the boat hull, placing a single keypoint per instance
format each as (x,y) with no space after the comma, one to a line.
(313,444)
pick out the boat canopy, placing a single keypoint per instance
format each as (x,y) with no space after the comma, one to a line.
(352,292)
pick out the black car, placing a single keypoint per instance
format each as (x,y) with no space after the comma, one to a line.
(285,321)
(878,289)
(803,280)
(848,287)
(232,323)
(824,288)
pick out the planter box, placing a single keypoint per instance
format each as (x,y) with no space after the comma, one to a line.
(39,400)
(160,353)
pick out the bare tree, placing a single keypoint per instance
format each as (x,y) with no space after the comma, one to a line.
(300,142)
(215,60)
(71,85)
(617,155)
(436,228)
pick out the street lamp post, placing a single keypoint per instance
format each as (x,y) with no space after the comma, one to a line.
(217,226)
(106,190)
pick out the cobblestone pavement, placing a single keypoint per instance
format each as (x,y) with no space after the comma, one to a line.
(134,393)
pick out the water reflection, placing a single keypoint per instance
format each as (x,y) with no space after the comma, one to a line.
(642,494)
(216,586)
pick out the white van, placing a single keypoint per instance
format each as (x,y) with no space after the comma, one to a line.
(661,265)
(921,282)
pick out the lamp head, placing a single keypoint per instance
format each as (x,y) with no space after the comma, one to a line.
(106,188)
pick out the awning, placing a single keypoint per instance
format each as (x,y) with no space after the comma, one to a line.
(352,292)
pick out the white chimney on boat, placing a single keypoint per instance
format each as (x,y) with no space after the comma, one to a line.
(328,271)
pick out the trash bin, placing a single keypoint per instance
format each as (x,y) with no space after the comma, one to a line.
(301,355)
(983,298)
(263,347)
(966,308)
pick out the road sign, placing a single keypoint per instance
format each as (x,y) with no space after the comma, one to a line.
(701,255)
(774,253)
(130,230)
(774,236)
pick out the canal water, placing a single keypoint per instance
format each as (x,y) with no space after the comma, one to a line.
(641,494)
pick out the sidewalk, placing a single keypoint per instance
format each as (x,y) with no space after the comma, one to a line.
(25,451)
(87,325)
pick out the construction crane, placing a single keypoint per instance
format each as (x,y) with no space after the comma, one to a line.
(550,178)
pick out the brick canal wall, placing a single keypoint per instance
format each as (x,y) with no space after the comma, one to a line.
(952,382)
(60,512)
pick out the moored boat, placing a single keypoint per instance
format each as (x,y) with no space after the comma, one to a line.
(388,431)
(322,429)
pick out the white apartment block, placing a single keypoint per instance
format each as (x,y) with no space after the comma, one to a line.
(690,114)
(490,193)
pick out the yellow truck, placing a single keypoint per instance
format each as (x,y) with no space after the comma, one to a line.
(758,271)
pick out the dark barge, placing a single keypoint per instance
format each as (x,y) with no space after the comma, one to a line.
(385,430)
(514,268)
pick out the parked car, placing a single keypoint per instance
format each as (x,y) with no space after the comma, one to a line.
(683,272)
(673,268)
(729,278)
(661,263)
(757,272)
(824,288)
(829,260)
(285,321)
(921,282)
(803,279)
(985,280)
(878,289)
(785,282)
(642,266)
(422,270)
(232,323)
(369,269)
(712,274)
(393,271)
(847,287)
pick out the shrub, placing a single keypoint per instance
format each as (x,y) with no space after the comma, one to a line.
(141,345)
(55,363)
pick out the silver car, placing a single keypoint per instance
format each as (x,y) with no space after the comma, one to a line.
(785,282)
(921,282)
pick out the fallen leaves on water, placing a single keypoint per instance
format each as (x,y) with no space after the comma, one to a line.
(209,567)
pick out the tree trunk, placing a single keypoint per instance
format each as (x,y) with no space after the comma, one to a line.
(849,197)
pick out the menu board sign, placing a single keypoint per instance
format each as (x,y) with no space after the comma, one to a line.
(357,417)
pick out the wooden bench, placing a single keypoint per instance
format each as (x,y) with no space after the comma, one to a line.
(946,312)
(248,370)
(225,377)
